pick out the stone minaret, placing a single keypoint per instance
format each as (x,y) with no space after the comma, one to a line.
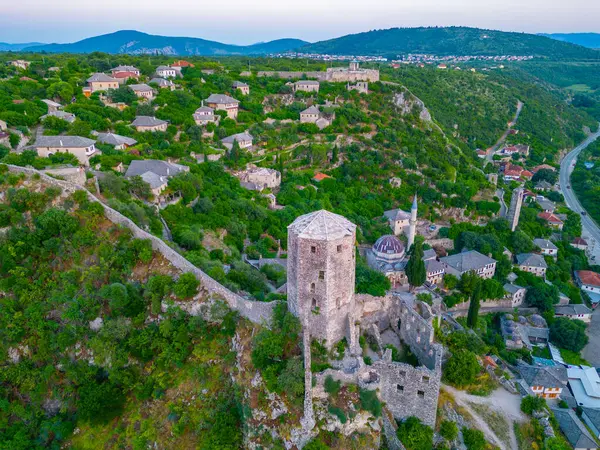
(320,274)
(514,211)
(412,224)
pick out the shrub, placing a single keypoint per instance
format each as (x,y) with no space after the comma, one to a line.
(449,430)
(339,413)
(370,402)
(462,368)
(415,435)
(474,439)
(532,403)
(569,334)
(331,386)
(186,286)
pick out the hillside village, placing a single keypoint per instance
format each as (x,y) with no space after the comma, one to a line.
(329,258)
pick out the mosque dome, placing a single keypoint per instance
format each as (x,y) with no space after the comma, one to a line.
(389,247)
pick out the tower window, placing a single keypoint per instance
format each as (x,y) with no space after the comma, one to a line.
(313,249)
(321,275)
(314,303)
(312,288)
(421,394)
(338,302)
(339,249)
(400,388)
(402,373)
(425,379)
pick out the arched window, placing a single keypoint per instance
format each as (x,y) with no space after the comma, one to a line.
(314,303)
(312,288)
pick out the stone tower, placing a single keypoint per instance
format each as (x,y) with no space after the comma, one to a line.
(514,212)
(412,224)
(320,274)
(354,65)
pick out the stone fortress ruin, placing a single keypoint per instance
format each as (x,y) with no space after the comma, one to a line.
(351,74)
(321,265)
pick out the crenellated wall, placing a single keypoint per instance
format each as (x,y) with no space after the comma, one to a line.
(257,312)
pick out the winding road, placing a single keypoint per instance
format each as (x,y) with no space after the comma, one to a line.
(492,150)
(566,168)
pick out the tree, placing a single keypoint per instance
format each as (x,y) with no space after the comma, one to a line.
(415,269)
(474,305)
(532,403)
(370,281)
(449,430)
(415,435)
(450,281)
(545,175)
(123,94)
(569,334)
(474,439)
(186,286)
(543,296)
(462,368)
(61,90)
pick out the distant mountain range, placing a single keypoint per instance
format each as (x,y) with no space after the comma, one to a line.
(391,42)
(590,40)
(138,43)
(449,41)
(4,47)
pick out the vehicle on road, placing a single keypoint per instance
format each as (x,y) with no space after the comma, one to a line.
(432,228)
(569,187)
(583,213)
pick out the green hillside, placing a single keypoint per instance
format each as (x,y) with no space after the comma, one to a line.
(450,41)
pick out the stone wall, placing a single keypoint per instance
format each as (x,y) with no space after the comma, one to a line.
(446,243)
(335,75)
(257,312)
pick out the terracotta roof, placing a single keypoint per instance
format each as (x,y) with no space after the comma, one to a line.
(526,174)
(320,176)
(549,217)
(182,63)
(579,241)
(543,166)
(588,277)
(125,75)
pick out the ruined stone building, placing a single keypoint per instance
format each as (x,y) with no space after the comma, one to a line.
(351,74)
(321,265)
(360,86)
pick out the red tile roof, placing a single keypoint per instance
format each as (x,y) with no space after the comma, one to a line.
(182,63)
(543,166)
(549,217)
(125,75)
(320,176)
(588,277)
(526,174)
(579,241)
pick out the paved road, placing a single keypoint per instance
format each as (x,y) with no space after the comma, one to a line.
(503,207)
(492,150)
(566,167)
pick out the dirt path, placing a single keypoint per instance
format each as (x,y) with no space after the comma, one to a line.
(500,401)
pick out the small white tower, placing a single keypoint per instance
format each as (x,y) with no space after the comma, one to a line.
(412,224)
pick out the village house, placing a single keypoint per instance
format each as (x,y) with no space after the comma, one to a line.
(123,77)
(553,221)
(361,87)
(242,87)
(580,244)
(546,205)
(543,186)
(244,140)
(205,115)
(434,271)
(62,115)
(584,383)
(312,114)
(99,82)
(52,105)
(472,260)
(481,153)
(306,86)
(547,247)
(82,148)
(591,416)
(180,65)
(395,182)
(574,311)
(142,91)
(166,72)
(221,102)
(154,172)
(516,294)
(163,83)
(320,177)
(532,263)
(512,172)
(259,178)
(398,219)
(536,169)
(545,381)
(524,332)
(125,69)
(589,282)
(21,64)
(118,141)
(574,429)
(148,123)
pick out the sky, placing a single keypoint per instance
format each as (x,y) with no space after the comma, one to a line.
(246,22)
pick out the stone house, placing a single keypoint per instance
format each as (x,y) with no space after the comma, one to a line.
(398,220)
(574,429)
(361,86)
(244,140)
(100,82)
(242,87)
(225,103)
(545,381)
(62,115)
(123,77)
(580,244)
(52,105)
(142,91)
(310,114)
(118,141)
(155,172)
(395,182)
(205,115)
(148,123)
(591,416)
(552,219)
(306,86)
(125,69)
(547,247)
(472,260)
(163,83)
(166,72)
(82,148)
(435,271)
(259,178)
(532,263)
(514,293)
(575,311)
(589,282)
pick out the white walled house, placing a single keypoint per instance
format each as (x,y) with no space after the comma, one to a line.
(82,148)
(166,72)
(589,282)
(546,247)
(220,102)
